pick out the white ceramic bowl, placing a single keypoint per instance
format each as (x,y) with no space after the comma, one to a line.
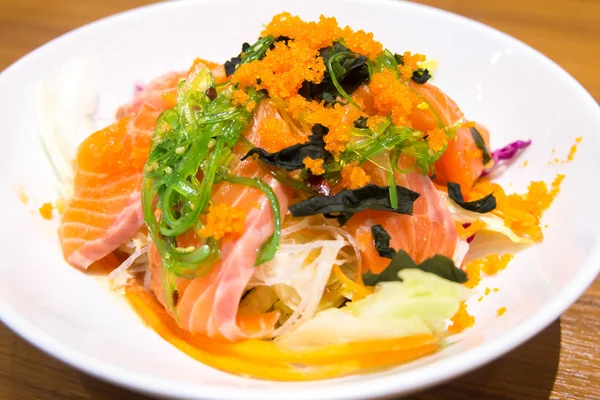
(498,81)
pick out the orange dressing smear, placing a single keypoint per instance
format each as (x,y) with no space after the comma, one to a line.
(266,360)
(570,156)
(46,210)
(573,149)
(489,265)
(461,320)
(487,293)
(23,198)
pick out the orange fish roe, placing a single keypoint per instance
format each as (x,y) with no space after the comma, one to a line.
(392,96)
(437,139)
(486,293)
(323,33)
(495,263)
(275,135)
(521,212)
(336,139)
(240,98)
(208,64)
(223,219)
(285,67)
(538,198)
(315,35)
(573,149)
(315,166)
(354,177)
(461,320)
(410,64)
(283,70)
(333,118)
(501,311)
(362,42)
(473,270)
(374,121)
(46,210)
(488,265)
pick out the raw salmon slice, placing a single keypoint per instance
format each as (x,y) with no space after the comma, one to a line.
(209,305)
(461,162)
(105,210)
(429,231)
(160,94)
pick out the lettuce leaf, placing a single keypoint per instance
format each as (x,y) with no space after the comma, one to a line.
(420,304)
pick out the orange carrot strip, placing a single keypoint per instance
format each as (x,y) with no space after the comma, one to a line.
(475,227)
(352,285)
(267,360)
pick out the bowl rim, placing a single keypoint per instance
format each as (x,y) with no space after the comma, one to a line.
(374,386)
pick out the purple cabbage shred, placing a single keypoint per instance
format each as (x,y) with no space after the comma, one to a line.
(470,238)
(138,88)
(510,150)
(504,156)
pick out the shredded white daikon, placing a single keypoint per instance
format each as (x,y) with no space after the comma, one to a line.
(300,272)
(136,263)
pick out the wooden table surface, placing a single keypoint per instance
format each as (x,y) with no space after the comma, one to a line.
(562,362)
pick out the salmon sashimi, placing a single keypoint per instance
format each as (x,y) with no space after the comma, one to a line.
(160,94)
(105,210)
(209,305)
(462,161)
(429,231)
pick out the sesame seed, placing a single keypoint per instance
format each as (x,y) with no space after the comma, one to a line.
(423,106)
(179,150)
(212,143)
(168,170)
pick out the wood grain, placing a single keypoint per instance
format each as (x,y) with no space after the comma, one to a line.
(562,362)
